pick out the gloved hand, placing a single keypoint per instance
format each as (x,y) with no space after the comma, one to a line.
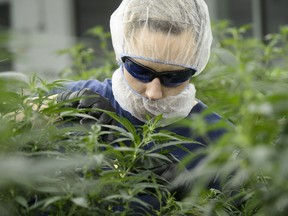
(176,180)
(86,98)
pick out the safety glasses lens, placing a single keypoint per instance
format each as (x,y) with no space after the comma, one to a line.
(144,74)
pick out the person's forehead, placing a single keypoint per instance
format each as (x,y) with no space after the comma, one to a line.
(163,47)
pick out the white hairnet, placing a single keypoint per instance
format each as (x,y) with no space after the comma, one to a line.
(176,32)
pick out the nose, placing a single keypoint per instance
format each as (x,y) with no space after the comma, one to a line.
(153,90)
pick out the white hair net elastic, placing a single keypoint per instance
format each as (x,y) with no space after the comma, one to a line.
(175,32)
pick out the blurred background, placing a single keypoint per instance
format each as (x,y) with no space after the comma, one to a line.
(32,31)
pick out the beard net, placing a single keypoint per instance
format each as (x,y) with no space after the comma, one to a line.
(172,108)
(175,32)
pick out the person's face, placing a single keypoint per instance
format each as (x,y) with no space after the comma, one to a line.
(154,90)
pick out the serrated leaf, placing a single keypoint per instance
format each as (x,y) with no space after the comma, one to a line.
(226,57)
(22,201)
(80,201)
(51,200)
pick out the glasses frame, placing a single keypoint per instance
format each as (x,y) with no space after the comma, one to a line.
(167,78)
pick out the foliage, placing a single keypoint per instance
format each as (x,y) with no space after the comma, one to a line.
(52,166)
(5,55)
(85,64)
(246,81)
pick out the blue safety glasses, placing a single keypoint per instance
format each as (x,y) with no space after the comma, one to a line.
(146,74)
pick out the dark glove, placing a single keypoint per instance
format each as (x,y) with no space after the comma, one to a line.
(176,179)
(86,98)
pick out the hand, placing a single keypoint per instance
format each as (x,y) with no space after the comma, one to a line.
(176,180)
(86,98)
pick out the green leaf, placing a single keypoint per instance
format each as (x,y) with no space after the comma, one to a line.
(51,200)
(159,156)
(80,201)
(226,57)
(22,201)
